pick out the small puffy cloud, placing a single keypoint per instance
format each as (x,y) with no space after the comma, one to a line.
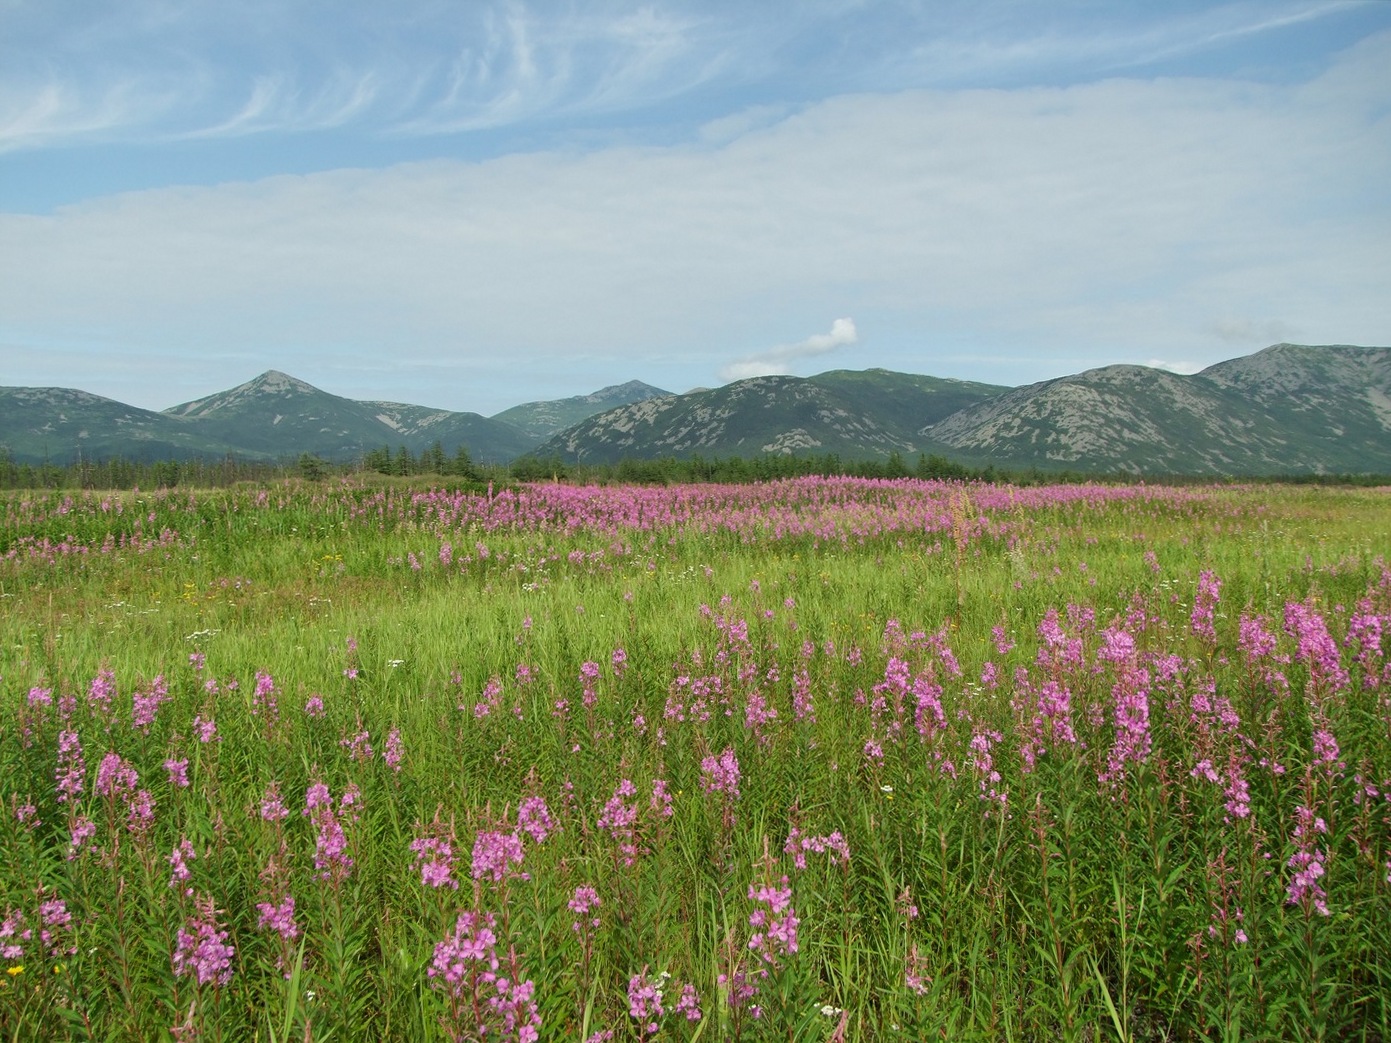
(1187,369)
(780,359)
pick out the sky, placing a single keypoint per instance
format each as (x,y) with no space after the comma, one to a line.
(469,204)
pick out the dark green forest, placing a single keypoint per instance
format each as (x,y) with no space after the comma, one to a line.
(459,466)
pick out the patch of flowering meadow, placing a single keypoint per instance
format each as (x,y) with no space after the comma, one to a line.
(628,823)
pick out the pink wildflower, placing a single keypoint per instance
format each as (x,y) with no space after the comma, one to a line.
(178,772)
(495,854)
(394,750)
(278,917)
(178,860)
(721,774)
(583,902)
(202,950)
(534,818)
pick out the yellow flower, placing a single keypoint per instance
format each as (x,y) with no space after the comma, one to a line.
(15,971)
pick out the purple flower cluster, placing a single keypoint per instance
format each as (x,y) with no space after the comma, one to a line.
(178,861)
(534,818)
(72,769)
(394,750)
(487,1002)
(774,922)
(495,855)
(619,819)
(101,694)
(645,996)
(201,948)
(1307,862)
(1132,721)
(1316,647)
(720,774)
(988,777)
(584,901)
(146,703)
(358,745)
(279,917)
(332,860)
(434,856)
(55,926)
(265,700)
(798,845)
(1205,601)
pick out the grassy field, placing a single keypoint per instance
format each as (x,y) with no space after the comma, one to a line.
(818,759)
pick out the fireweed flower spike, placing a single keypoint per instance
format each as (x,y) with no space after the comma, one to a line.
(279,917)
(619,819)
(534,818)
(177,771)
(202,950)
(774,922)
(583,902)
(485,997)
(72,769)
(1205,605)
(645,998)
(332,860)
(395,749)
(495,855)
(178,860)
(272,807)
(434,857)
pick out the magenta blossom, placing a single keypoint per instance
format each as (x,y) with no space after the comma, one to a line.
(495,855)
(202,950)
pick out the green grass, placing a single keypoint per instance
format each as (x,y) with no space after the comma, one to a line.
(1046,902)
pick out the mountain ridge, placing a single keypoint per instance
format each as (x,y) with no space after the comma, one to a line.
(1285,409)
(541,420)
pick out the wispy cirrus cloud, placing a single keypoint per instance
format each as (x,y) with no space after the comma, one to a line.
(40,114)
(417,69)
(150,69)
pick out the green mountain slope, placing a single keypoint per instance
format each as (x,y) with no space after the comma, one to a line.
(1288,409)
(61,424)
(278,415)
(541,420)
(906,402)
(856,417)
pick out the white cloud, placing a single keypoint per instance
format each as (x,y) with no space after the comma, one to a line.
(1061,225)
(148,70)
(782,358)
(727,128)
(1185,368)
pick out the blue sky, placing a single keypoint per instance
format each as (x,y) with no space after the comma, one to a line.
(474,204)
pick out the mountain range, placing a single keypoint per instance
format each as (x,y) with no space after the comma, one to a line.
(1291,409)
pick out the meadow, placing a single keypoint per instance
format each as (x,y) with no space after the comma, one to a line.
(817,759)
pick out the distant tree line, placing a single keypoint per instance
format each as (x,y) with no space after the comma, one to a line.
(120,473)
(404,463)
(733,469)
